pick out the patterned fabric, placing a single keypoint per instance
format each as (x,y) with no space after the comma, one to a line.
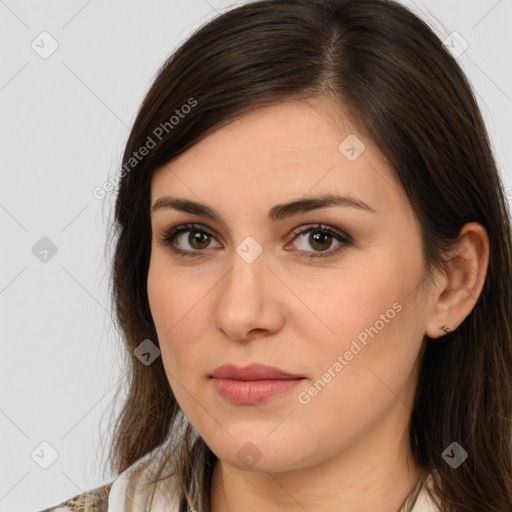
(95,500)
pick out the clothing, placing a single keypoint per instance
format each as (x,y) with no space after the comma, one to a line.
(128,493)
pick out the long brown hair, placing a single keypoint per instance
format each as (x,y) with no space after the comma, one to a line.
(409,95)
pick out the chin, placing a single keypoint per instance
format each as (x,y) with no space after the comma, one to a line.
(260,455)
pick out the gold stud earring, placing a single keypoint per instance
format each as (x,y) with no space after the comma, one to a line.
(445,328)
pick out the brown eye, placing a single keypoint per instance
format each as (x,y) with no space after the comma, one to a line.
(199,240)
(320,240)
(188,240)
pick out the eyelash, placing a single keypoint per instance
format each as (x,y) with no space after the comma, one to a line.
(345,240)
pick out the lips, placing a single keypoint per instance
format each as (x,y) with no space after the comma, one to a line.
(253,384)
(252,372)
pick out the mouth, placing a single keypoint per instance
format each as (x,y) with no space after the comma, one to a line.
(253,384)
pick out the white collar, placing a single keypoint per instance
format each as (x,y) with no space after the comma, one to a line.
(130,492)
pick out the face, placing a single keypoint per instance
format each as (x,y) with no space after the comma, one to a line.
(329,294)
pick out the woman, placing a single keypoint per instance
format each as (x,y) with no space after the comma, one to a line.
(312,273)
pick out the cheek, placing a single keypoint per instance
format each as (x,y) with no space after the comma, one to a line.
(358,370)
(363,329)
(176,304)
(371,315)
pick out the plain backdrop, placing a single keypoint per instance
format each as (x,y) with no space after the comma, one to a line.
(72,76)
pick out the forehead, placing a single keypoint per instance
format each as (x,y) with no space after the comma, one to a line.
(280,152)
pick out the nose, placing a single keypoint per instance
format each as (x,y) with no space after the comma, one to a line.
(249,300)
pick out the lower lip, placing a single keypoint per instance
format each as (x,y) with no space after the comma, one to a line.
(252,392)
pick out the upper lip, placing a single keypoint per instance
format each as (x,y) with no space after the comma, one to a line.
(252,372)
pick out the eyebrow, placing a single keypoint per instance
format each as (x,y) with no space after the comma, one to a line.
(275,214)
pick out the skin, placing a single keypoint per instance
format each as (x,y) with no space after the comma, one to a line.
(348,447)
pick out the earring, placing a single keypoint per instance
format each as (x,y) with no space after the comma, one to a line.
(445,328)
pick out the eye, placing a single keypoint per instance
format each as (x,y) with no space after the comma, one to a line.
(321,238)
(198,238)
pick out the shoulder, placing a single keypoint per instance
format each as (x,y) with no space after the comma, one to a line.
(140,487)
(95,500)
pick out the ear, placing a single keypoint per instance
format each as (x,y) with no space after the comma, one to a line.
(460,286)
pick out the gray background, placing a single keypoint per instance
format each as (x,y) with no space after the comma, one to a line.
(64,120)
